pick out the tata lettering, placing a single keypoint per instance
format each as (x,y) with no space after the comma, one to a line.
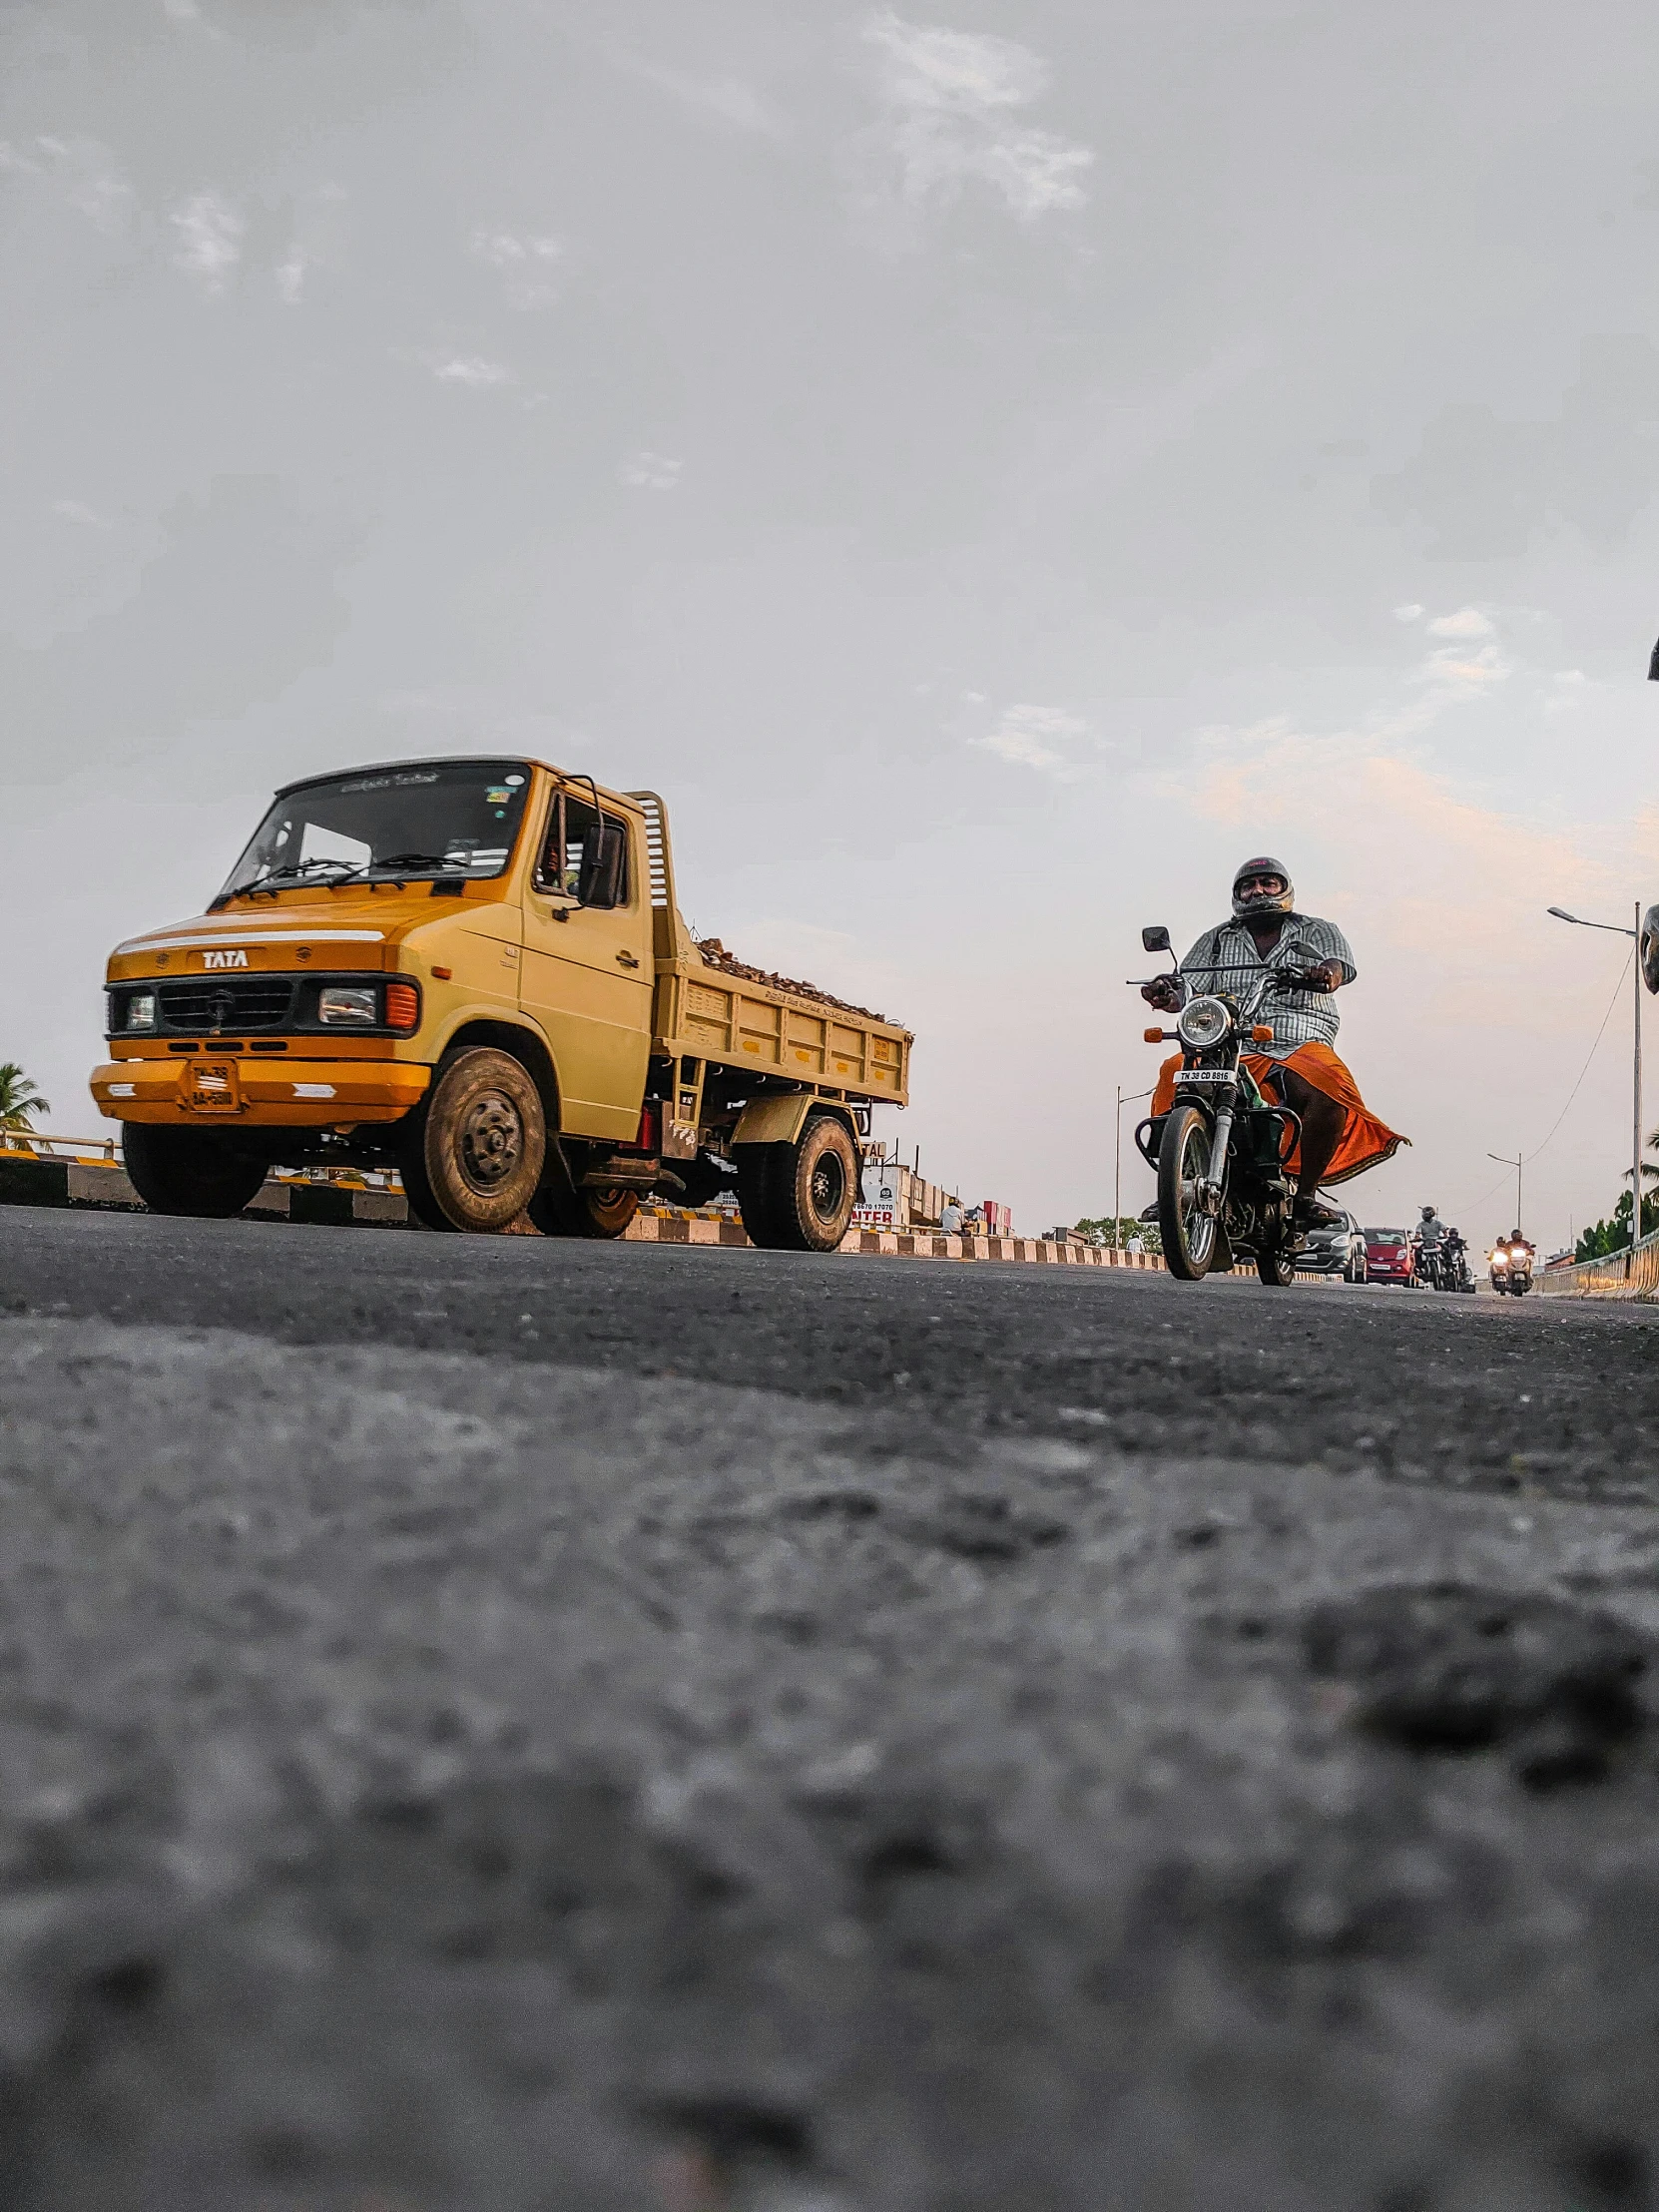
(223,959)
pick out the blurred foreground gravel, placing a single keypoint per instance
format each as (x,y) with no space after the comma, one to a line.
(465,1783)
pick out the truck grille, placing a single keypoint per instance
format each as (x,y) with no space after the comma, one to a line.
(239,1002)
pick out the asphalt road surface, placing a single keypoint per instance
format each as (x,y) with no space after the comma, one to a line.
(493,1725)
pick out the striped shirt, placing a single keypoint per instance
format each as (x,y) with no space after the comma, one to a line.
(1226,959)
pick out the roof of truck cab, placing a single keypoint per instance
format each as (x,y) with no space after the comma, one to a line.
(454,759)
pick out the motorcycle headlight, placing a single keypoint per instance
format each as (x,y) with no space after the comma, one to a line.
(1203,1022)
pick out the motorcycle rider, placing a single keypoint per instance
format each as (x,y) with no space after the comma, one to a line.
(1298,1069)
(1432,1235)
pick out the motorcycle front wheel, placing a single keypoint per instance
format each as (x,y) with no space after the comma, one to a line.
(1189,1235)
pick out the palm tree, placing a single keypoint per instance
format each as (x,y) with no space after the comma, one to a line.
(19,1100)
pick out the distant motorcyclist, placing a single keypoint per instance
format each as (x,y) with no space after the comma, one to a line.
(1430,1237)
(1298,1069)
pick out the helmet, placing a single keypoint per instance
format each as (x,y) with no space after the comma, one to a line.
(1262,865)
(1427,1213)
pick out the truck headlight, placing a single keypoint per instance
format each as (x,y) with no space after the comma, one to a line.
(1203,1022)
(347,1008)
(139,1011)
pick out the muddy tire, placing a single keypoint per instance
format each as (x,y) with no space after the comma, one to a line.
(757,1176)
(195,1173)
(474,1157)
(799,1197)
(599,1214)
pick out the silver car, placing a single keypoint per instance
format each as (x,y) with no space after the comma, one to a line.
(1339,1250)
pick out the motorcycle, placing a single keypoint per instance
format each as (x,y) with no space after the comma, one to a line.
(1457,1265)
(1512,1270)
(1220,1152)
(1429,1265)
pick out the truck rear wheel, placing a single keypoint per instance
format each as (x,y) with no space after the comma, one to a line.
(597,1213)
(475,1155)
(197,1172)
(799,1197)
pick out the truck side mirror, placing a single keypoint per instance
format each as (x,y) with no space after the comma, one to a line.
(1155,940)
(600,881)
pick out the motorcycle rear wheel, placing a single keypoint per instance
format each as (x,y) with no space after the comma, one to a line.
(1189,1237)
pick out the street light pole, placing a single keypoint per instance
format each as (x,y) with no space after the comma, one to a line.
(1117,1165)
(1503,1159)
(1117,1176)
(1637,1104)
(1561,914)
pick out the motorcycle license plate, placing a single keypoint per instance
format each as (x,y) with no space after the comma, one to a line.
(1204,1075)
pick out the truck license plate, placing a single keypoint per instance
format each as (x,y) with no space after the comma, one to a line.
(1204,1075)
(213,1087)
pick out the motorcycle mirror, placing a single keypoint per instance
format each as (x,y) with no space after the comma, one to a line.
(1156,940)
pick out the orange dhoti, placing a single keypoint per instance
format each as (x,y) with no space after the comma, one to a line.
(1364,1140)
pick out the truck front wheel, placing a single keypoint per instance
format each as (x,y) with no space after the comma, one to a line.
(194,1172)
(799,1197)
(474,1157)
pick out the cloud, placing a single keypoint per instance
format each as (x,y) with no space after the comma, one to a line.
(727,98)
(76,510)
(1034,736)
(209,240)
(1413,612)
(1463,673)
(527,265)
(1486,485)
(88,172)
(1327,794)
(1467,622)
(473,371)
(953,101)
(291,275)
(651,471)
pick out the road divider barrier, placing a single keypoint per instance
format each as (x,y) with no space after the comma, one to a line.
(1631,1274)
(35,1176)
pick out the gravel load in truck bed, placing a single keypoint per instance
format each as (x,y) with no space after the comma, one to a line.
(716,957)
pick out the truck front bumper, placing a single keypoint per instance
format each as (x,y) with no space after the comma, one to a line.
(240,1090)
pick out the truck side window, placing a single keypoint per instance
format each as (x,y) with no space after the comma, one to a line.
(570,835)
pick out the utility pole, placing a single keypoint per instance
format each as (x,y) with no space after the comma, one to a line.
(1635,936)
(1636,1105)
(1503,1159)
(1117,1164)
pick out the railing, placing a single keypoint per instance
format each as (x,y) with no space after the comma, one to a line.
(31,1143)
(1627,1273)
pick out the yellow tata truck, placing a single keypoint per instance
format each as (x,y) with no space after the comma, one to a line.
(475,970)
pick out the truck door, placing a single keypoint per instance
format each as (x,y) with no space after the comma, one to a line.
(587,974)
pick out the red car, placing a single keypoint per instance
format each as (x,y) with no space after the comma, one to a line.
(1389,1257)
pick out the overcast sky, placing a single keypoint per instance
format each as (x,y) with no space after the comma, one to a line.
(990,470)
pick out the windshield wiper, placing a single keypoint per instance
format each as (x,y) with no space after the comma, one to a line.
(417,859)
(294,870)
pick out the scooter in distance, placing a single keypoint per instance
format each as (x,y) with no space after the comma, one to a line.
(1512,1268)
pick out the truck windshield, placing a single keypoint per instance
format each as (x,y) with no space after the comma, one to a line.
(439,818)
